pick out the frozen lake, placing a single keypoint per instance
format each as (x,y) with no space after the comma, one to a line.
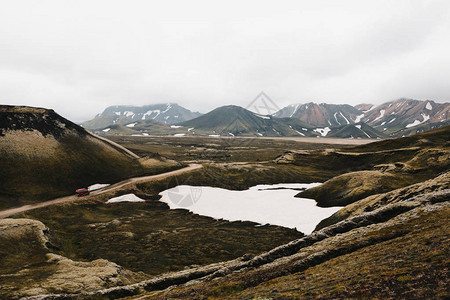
(272,204)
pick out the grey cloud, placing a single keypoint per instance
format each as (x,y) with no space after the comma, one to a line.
(80,58)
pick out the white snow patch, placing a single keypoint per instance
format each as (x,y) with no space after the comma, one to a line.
(129,114)
(214,135)
(296,131)
(262,116)
(295,110)
(179,134)
(131,125)
(144,133)
(97,186)
(106,129)
(381,115)
(336,118)
(429,106)
(358,118)
(391,121)
(305,129)
(383,123)
(417,122)
(346,120)
(323,131)
(175,126)
(150,112)
(272,204)
(169,106)
(372,107)
(359,127)
(260,134)
(117,113)
(125,198)
(189,129)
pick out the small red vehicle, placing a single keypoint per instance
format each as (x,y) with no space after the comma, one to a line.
(82,192)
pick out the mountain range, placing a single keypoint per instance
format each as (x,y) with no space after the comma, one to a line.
(392,119)
(168,113)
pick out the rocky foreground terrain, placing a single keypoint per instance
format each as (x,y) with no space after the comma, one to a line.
(393,245)
(391,240)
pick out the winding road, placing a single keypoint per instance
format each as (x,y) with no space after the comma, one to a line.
(118,185)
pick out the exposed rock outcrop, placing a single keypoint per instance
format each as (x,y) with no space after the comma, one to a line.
(28,243)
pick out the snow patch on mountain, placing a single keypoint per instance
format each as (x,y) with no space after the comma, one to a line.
(323,131)
(262,116)
(418,122)
(358,118)
(381,115)
(346,120)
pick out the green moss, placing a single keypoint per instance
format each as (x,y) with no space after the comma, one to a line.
(226,290)
(403,278)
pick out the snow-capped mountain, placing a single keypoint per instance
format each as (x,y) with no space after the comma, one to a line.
(168,113)
(406,116)
(395,118)
(320,114)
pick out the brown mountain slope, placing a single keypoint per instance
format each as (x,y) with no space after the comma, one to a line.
(43,155)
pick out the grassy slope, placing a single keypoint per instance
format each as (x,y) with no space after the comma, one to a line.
(75,238)
(387,165)
(151,238)
(388,269)
(403,256)
(215,149)
(43,156)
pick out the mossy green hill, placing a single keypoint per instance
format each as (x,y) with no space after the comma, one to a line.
(43,155)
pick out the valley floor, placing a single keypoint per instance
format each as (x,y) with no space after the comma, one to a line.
(391,240)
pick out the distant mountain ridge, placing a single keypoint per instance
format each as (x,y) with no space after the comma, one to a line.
(234,120)
(320,114)
(397,118)
(394,118)
(237,121)
(167,113)
(407,116)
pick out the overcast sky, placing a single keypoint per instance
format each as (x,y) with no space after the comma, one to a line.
(78,57)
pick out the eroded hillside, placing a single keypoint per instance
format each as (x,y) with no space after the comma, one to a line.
(43,155)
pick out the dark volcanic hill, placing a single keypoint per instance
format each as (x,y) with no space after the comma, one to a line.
(168,113)
(43,155)
(237,121)
(359,130)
